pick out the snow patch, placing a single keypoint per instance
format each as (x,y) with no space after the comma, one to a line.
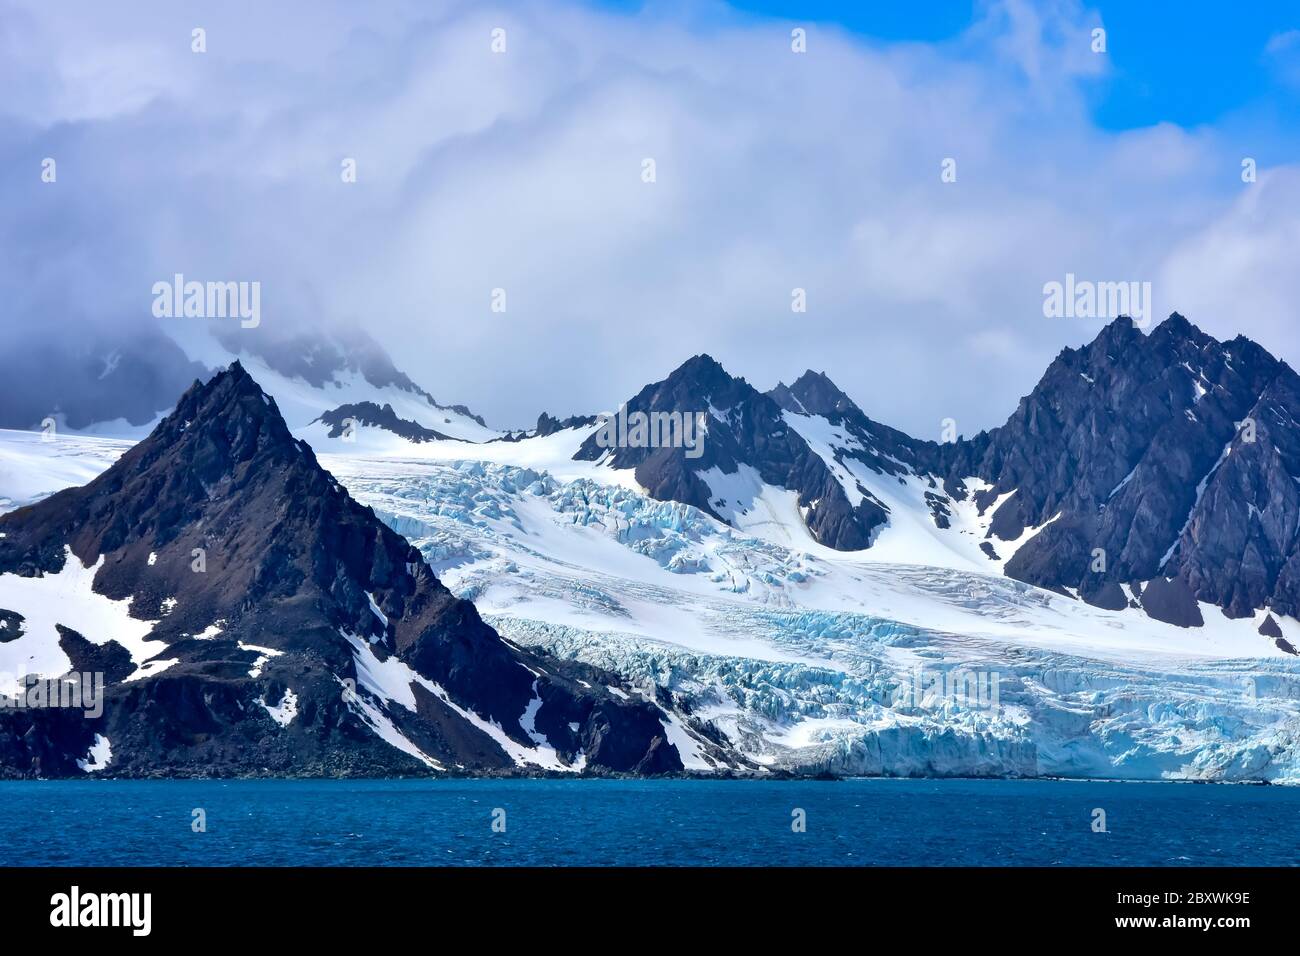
(99,755)
(264,655)
(284,712)
(68,598)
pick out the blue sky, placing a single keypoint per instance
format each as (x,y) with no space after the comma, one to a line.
(775,171)
(1187,62)
(1195,62)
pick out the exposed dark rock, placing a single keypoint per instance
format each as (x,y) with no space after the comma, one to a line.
(1133,444)
(548,425)
(358,414)
(110,658)
(1171,600)
(11,626)
(1139,457)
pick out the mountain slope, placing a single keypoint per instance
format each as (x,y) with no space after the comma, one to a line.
(258,619)
(1119,455)
(745,447)
(320,372)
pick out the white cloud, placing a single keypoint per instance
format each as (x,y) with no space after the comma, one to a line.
(1238,272)
(523,171)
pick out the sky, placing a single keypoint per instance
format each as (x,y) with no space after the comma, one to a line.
(920,177)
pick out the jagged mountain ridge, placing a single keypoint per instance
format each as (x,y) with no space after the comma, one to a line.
(1128,468)
(1119,456)
(1124,477)
(744,429)
(795,653)
(310,638)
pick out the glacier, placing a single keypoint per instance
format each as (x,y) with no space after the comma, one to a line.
(798,654)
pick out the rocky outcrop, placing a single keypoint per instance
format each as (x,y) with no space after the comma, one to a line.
(743,428)
(347,419)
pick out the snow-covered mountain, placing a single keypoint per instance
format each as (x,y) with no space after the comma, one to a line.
(248,616)
(91,382)
(804,587)
(1162,470)
(314,375)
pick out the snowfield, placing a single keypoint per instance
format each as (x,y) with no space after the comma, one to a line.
(806,658)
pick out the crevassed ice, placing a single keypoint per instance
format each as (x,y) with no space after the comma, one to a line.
(799,656)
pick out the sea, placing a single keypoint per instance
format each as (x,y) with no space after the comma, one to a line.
(600,822)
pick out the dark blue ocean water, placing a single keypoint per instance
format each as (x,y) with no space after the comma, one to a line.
(602,822)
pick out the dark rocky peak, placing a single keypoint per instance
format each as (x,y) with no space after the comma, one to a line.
(1177,326)
(688,400)
(781,394)
(1131,448)
(1177,357)
(1240,545)
(229,413)
(702,369)
(1099,409)
(695,385)
(818,395)
(549,424)
(742,428)
(340,421)
(221,476)
(881,448)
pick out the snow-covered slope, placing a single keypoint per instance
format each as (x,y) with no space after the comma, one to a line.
(36,464)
